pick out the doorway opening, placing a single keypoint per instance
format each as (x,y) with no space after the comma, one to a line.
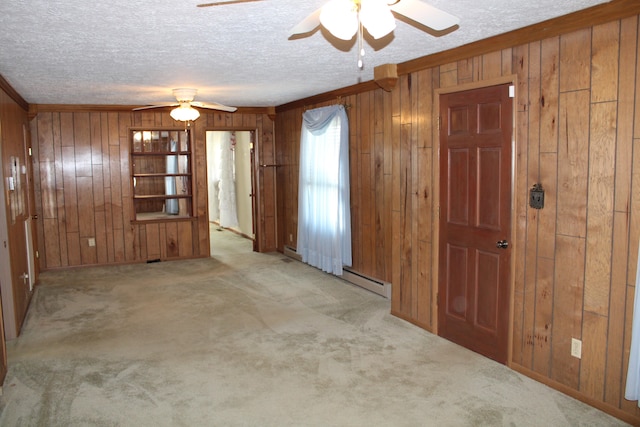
(230,183)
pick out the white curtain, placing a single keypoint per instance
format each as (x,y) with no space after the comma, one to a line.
(171,205)
(227,182)
(324,218)
(632,391)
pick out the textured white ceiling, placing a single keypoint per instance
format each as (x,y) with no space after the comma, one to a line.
(134,52)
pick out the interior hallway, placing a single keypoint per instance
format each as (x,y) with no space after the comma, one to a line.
(248,339)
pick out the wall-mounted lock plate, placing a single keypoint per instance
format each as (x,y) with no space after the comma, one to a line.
(536,197)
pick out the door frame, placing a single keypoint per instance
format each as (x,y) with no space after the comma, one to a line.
(255,196)
(512,80)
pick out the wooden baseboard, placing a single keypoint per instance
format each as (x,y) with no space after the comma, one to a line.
(604,407)
(137,261)
(422,325)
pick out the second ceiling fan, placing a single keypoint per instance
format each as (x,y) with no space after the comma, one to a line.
(185,103)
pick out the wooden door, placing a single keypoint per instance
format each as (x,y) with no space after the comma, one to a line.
(16,289)
(5,267)
(475,219)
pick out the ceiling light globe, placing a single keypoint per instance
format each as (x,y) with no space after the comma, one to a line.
(340,18)
(185,113)
(377,18)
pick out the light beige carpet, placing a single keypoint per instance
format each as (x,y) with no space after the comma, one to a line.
(246,339)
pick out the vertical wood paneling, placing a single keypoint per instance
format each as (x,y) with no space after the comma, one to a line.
(593,366)
(625,105)
(82,144)
(573,156)
(577,113)
(378,189)
(150,241)
(507,63)
(532,337)
(567,309)
(548,125)
(604,62)
(448,74)
(172,250)
(543,327)
(575,60)
(522,106)
(84,180)
(600,208)
(465,71)
(615,333)
(491,65)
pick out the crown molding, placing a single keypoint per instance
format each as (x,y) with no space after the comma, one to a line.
(329,96)
(96,108)
(9,90)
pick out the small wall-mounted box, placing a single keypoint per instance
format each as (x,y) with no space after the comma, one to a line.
(536,196)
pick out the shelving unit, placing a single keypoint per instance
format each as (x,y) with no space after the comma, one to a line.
(161,176)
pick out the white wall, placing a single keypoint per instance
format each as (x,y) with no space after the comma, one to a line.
(243,182)
(213,143)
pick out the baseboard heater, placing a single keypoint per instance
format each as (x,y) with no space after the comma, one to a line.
(376,286)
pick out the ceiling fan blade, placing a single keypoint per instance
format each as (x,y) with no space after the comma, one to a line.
(308,24)
(163,104)
(425,14)
(222,3)
(214,106)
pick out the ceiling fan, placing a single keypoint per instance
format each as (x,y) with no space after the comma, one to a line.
(347,18)
(220,3)
(372,13)
(185,103)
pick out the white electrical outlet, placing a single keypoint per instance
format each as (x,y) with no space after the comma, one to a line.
(92,241)
(576,348)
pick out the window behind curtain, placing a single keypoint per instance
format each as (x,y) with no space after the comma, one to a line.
(324,225)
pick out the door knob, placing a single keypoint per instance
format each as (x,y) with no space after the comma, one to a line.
(502,244)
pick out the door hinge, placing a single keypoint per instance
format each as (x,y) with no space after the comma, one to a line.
(512,91)
(30,152)
(439,122)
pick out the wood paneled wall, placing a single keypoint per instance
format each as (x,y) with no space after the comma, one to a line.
(83,187)
(577,133)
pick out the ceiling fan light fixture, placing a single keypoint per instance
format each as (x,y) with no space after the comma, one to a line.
(377,18)
(340,18)
(185,113)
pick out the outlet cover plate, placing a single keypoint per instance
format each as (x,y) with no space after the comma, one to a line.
(576,348)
